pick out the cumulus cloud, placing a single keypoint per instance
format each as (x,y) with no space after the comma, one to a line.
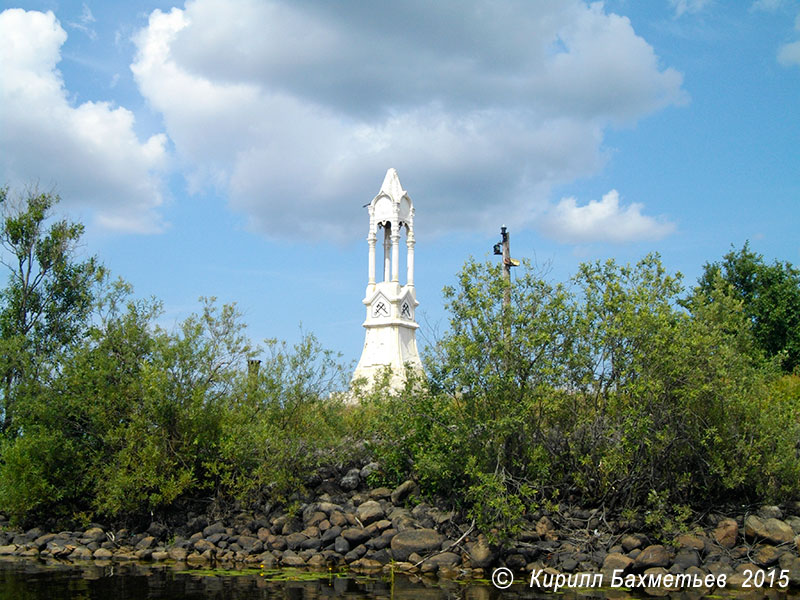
(89,152)
(603,221)
(295,110)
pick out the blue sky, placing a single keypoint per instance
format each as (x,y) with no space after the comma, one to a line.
(226,148)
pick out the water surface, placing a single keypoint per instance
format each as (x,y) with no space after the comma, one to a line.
(24,579)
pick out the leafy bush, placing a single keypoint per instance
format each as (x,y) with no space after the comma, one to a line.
(618,390)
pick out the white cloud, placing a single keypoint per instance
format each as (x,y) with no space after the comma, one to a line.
(767,5)
(297,109)
(89,153)
(85,23)
(789,54)
(689,6)
(603,221)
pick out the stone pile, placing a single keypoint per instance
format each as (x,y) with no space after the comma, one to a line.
(344,526)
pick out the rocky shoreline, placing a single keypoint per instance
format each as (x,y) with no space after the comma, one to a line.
(366,530)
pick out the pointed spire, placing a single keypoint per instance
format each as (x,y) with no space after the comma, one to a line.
(391,186)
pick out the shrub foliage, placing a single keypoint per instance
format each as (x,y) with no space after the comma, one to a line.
(618,388)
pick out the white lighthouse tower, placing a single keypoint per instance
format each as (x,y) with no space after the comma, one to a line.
(390,340)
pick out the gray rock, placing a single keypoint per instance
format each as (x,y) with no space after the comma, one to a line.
(355,554)
(331,534)
(316,518)
(146,542)
(250,544)
(794,523)
(177,554)
(694,542)
(195,558)
(480,553)
(157,530)
(328,507)
(794,571)
(516,562)
(216,538)
(402,491)
(401,519)
(355,535)
(217,527)
(341,545)
(81,553)
(145,554)
(420,541)
(277,542)
(726,533)
(290,559)
(351,480)
(767,556)
(369,512)
(293,540)
(311,544)
(94,534)
(616,561)
(381,493)
(202,545)
(653,556)
(338,519)
(102,553)
(771,529)
(41,541)
(685,558)
(369,469)
(770,512)
(718,568)
(445,559)
(382,541)
(631,542)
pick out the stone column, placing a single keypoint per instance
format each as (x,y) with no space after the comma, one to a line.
(387,260)
(410,259)
(396,254)
(371,241)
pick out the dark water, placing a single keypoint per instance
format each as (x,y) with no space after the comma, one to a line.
(32,580)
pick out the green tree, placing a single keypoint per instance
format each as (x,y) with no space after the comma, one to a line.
(614,390)
(49,296)
(770,295)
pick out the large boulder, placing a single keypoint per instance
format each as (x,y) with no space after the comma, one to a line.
(726,532)
(617,561)
(94,534)
(369,512)
(419,541)
(772,530)
(653,556)
(217,527)
(351,480)
(439,561)
(480,553)
(355,535)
